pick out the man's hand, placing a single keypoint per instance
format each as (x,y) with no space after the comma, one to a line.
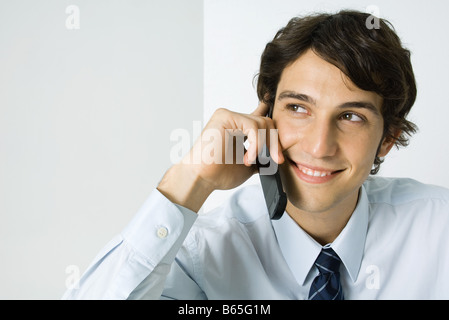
(207,167)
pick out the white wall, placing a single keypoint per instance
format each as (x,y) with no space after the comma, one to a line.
(236,33)
(85,122)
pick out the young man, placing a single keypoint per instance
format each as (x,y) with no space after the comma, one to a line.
(339,93)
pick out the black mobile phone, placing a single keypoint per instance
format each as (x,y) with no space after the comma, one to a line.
(275,197)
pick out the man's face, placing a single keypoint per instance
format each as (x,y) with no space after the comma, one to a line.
(329,131)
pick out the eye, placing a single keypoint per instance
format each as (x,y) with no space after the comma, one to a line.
(353,117)
(296,108)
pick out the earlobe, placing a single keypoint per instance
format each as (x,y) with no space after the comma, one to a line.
(387,144)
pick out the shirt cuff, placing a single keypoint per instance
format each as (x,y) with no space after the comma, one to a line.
(158,229)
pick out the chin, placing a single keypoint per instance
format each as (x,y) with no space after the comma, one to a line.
(309,204)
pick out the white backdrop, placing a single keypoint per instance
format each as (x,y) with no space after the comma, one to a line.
(85,121)
(236,32)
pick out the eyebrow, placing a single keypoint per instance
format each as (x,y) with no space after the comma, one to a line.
(349,104)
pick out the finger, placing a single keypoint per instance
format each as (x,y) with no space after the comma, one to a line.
(255,130)
(273,142)
(253,142)
(261,110)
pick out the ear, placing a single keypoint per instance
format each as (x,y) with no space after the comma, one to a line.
(387,144)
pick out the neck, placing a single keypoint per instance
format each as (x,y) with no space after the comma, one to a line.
(323,226)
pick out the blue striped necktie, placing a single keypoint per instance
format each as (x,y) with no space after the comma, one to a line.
(326,285)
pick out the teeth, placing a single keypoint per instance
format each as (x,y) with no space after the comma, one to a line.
(314,173)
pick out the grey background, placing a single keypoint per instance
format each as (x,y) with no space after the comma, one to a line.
(85,121)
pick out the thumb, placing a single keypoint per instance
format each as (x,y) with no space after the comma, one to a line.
(261,110)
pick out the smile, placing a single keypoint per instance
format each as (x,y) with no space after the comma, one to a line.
(313,174)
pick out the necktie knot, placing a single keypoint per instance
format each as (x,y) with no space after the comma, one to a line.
(327,286)
(328,261)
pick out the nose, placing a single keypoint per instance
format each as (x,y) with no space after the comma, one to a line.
(320,139)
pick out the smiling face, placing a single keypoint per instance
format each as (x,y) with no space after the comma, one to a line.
(330,132)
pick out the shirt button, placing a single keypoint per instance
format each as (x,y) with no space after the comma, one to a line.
(162,232)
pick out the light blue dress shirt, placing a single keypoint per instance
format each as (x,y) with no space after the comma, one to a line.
(395,246)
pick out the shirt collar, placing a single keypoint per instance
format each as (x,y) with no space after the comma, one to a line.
(300,250)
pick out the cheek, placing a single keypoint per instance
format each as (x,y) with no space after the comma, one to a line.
(360,150)
(286,131)
(289,135)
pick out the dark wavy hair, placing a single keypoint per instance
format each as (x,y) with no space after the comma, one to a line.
(373,58)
